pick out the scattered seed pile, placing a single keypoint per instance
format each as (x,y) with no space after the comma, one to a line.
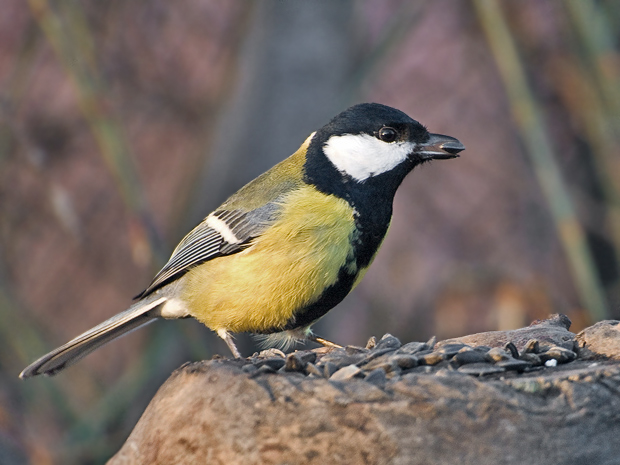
(387,359)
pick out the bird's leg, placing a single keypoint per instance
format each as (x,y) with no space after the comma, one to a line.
(229,342)
(322,341)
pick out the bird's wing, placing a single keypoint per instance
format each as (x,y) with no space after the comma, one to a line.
(231,228)
(223,232)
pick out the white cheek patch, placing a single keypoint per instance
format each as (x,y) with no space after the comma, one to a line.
(362,155)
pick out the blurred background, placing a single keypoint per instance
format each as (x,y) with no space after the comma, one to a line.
(122,124)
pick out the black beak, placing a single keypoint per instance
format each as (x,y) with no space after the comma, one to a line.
(440,147)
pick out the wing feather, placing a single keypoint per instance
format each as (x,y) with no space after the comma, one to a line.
(205,242)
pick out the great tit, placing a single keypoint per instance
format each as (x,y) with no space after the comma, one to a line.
(290,245)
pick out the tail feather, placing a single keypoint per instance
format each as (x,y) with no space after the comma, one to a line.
(135,316)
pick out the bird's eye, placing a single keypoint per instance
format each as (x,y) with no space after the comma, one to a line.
(388,134)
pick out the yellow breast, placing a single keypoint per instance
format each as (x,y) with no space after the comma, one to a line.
(287,268)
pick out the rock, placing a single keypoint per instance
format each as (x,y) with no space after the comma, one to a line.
(534,359)
(458,410)
(298,360)
(482,349)
(346,373)
(376,377)
(450,350)
(513,364)
(312,369)
(531,347)
(553,331)
(385,363)
(497,355)
(560,354)
(376,353)
(275,363)
(388,342)
(601,340)
(262,370)
(354,350)
(431,359)
(341,358)
(479,369)
(512,349)
(467,357)
(412,348)
(250,368)
(405,361)
(270,353)
(329,369)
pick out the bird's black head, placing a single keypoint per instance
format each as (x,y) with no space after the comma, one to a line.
(369,118)
(372,145)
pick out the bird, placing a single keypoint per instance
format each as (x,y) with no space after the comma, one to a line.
(287,247)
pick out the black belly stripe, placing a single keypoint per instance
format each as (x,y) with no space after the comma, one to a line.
(372,202)
(331,297)
(364,249)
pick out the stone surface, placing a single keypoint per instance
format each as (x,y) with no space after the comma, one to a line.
(601,340)
(392,409)
(552,331)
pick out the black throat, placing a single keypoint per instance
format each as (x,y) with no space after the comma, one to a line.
(372,201)
(372,198)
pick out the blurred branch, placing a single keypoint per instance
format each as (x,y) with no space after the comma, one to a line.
(598,38)
(20,341)
(186,215)
(578,92)
(612,10)
(529,120)
(89,429)
(130,393)
(69,36)
(13,91)
(598,83)
(392,35)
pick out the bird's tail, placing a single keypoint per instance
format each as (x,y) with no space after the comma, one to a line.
(139,314)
